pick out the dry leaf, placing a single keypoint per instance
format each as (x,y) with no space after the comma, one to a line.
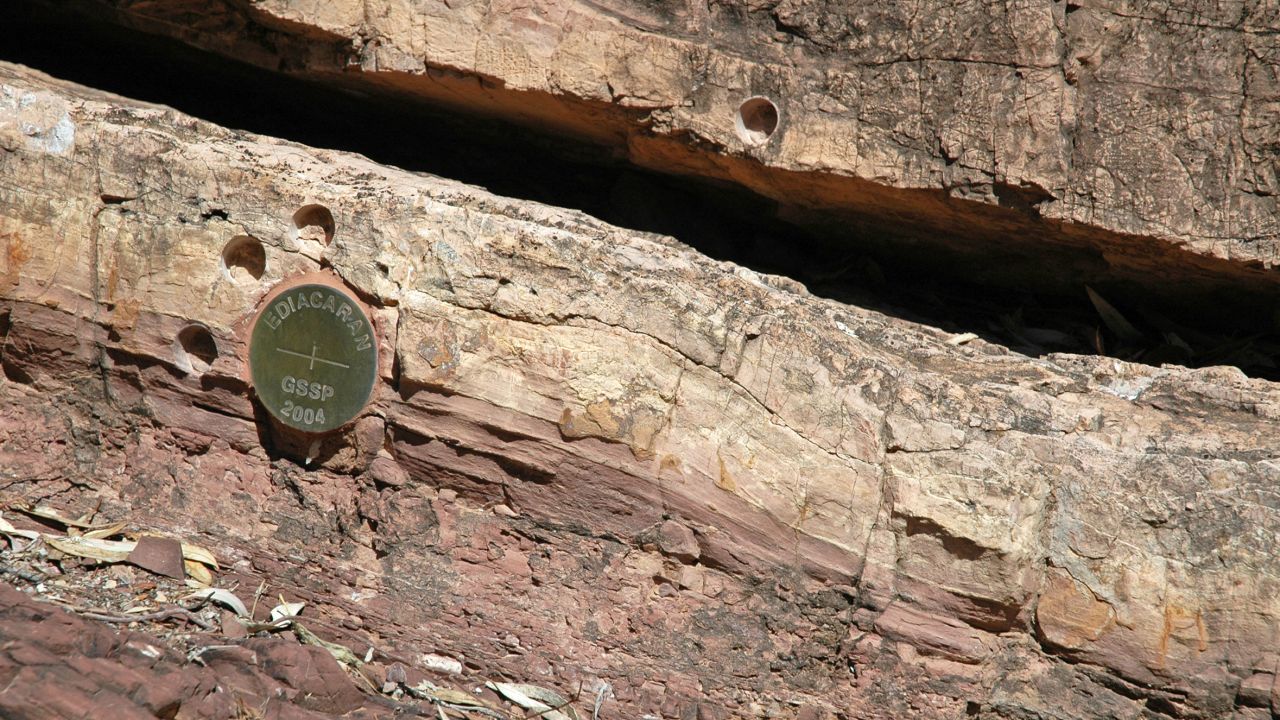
(48,513)
(460,699)
(103,533)
(86,520)
(112,551)
(224,598)
(9,529)
(286,610)
(198,572)
(547,703)
(1173,339)
(341,653)
(1112,317)
(200,555)
(457,697)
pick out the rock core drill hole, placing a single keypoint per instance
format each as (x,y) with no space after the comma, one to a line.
(312,220)
(756,121)
(195,349)
(243,258)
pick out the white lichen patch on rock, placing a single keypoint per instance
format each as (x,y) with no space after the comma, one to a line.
(40,121)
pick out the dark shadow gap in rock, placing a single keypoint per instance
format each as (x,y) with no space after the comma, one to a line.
(998,271)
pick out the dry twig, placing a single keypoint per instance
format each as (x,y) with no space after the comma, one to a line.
(558,707)
(172,613)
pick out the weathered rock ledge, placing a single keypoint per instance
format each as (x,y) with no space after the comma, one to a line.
(1045,143)
(597,455)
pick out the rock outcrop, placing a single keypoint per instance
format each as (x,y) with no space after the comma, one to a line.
(1064,142)
(596,456)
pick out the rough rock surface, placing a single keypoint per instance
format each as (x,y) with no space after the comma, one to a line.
(57,665)
(1009,132)
(597,456)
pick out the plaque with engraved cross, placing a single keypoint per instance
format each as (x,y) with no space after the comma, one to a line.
(313,357)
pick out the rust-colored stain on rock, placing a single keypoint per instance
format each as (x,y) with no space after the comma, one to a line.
(16,255)
(1069,614)
(724,479)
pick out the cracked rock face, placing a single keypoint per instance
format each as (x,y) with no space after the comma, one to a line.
(1060,124)
(597,455)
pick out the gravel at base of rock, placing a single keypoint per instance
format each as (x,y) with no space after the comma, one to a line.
(57,665)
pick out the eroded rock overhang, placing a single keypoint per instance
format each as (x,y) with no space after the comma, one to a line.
(905,160)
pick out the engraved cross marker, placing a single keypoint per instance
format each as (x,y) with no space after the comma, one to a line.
(312,359)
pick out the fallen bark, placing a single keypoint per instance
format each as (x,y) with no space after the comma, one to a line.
(597,455)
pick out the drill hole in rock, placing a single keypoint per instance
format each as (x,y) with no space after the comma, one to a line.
(195,349)
(314,222)
(756,121)
(244,259)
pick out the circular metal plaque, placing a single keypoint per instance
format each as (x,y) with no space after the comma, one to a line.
(313,358)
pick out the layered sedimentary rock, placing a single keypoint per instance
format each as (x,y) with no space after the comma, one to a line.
(1141,136)
(595,455)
